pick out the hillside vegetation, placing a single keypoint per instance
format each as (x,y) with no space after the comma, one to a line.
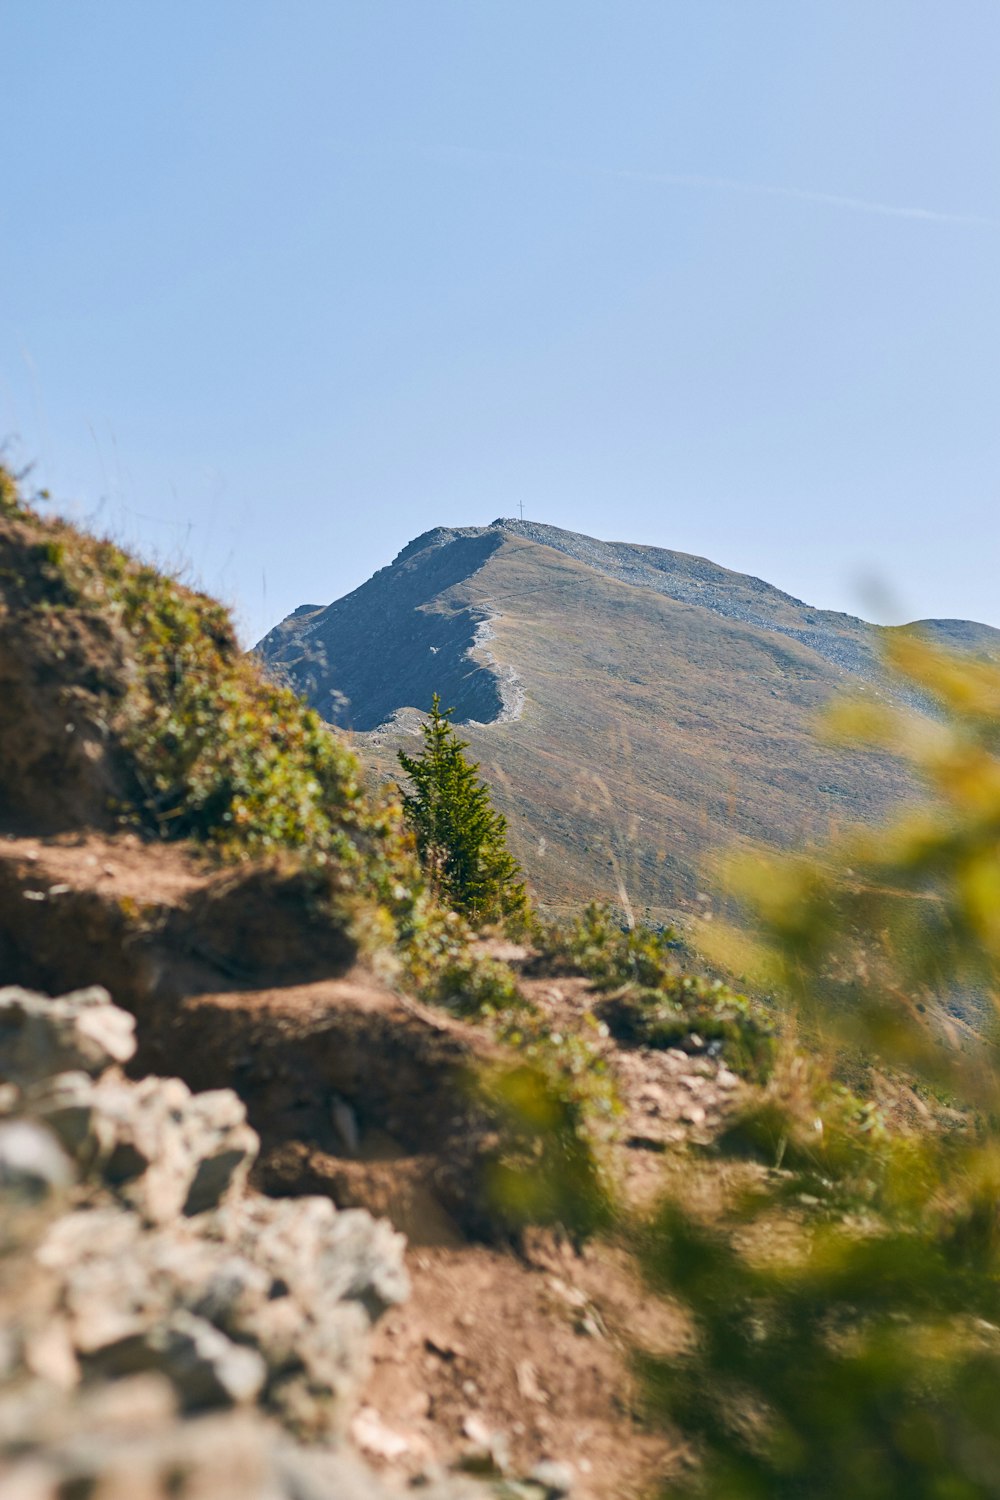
(127,703)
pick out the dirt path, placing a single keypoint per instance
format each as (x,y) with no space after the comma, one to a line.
(537,1350)
(355,1092)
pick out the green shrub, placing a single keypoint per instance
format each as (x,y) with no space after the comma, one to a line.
(658,1003)
(695,1015)
(10,498)
(478,988)
(596,943)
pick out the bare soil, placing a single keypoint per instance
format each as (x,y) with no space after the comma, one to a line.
(361,1093)
(534,1352)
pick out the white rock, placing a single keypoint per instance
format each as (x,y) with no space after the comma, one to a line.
(554,1477)
(40,1036)
(163,1149)
(32,1162)
(373,1436)
(205,1367)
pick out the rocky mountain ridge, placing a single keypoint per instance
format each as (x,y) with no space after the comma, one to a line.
(846,641)
(635,709)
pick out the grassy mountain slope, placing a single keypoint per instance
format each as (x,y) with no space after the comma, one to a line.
(632,708)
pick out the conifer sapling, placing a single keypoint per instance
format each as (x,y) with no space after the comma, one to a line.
(461,838)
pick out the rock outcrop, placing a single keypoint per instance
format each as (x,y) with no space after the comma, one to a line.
(168,1331)
(164,1329)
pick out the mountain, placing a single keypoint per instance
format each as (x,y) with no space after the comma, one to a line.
(632,708)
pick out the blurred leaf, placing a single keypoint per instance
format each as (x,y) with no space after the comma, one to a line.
(843,1353)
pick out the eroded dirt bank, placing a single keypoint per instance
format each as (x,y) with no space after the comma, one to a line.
(361,1094)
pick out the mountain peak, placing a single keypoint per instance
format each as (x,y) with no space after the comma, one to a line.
(632,706)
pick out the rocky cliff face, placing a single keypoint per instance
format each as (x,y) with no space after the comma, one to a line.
(634,708)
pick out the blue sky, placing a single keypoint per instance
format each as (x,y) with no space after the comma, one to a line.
(282,285)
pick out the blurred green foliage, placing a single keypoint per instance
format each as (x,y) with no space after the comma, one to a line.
(810,1124)
(544,1169)
(555,1102)
(858,1353)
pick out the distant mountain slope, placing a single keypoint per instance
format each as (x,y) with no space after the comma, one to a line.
(632,707)
(963,635)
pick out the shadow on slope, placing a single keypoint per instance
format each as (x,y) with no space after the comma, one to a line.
(395,641)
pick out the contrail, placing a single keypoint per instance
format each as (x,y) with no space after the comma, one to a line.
(701,180)
(803,195)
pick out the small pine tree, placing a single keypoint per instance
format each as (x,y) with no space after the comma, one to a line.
(461,838)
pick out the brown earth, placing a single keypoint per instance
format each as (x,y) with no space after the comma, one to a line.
(537,1347)
(323,1062)
(533,1351)
(359,1092)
